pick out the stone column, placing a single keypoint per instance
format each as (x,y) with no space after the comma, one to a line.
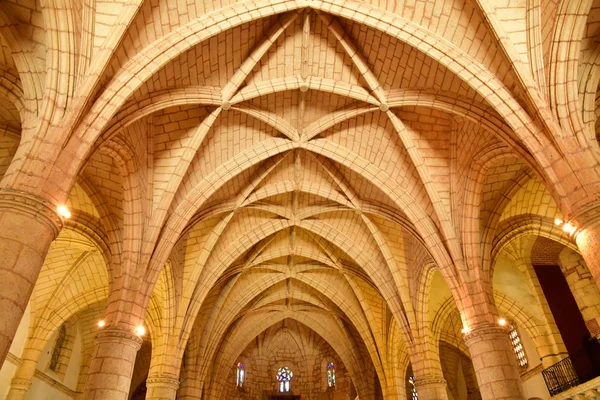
(111,369)
(161,387)
(431,388)
(588,239)
(18,388)
(29,225)
(21,382)
(190,388)
(583,287)
(494,363)
(350,387)
(188,392)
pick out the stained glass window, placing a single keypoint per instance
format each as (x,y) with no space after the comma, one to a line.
(413,389)
(284,376)
(58,345)
(331,375)
(515,339)
(241,375)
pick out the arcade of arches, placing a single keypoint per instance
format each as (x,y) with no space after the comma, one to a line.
(315,199)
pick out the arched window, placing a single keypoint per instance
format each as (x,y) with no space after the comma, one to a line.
(413,389)
(284,376)
(58,347)
(240,376)
(515,339)
(331,375)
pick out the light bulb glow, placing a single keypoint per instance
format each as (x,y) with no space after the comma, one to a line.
(558,221)
(465,330)
(101,323)
(501,322)
(140,330)
(568,227)
(63,211)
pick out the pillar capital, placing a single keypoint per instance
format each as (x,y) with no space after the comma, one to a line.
(431,387)
(162,381)
(587,216)
(484,332)
(429,381)
(112,334)
(18,388)
(31,205)
(494,363)
(20,384)
(162,387)
(111,368)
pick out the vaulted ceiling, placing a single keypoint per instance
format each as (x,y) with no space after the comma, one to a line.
(235,165)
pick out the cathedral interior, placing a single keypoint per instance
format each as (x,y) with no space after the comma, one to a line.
(299,199)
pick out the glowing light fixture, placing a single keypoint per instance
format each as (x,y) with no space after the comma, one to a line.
(465,330)
(140,330)
(501,322)
(63,211)
(101,323)
(568,227)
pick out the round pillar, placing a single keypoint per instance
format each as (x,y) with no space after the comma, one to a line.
(111,368)
(161,388)
(494,363)
(18,389)
(431,388)
(22,379)
(29,225)
(587,238)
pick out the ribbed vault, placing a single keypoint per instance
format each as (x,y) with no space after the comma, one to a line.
(360,175)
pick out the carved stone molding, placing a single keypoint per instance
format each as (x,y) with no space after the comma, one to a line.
(430,381)
(24,384)
(120,336)
(587,216)
(20,384)
(31,205)
(13,359)
(162,381)
(54,383)
(481,332)
(587,390)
